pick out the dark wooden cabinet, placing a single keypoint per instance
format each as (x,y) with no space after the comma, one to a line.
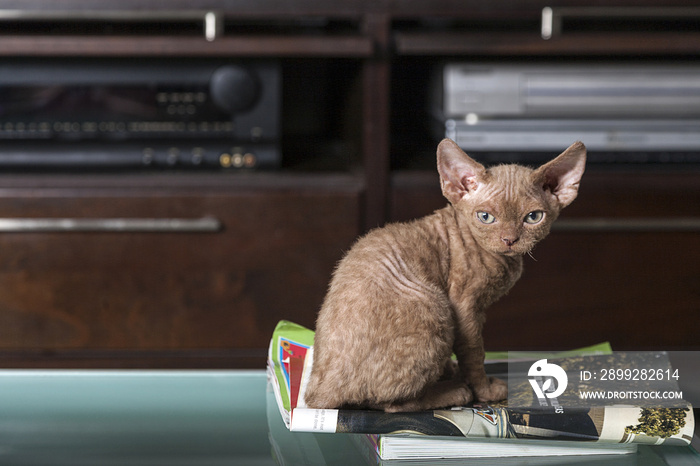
(357,152)
(101,295)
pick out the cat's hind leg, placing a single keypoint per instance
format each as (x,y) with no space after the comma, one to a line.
(442,394)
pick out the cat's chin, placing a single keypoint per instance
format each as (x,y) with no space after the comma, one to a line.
(512,253)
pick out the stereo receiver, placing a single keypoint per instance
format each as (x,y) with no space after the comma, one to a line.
(175,113)
(624,113)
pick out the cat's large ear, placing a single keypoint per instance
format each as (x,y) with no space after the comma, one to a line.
(459,173)
(562,175)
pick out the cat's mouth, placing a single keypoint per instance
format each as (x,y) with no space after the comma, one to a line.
(512,251)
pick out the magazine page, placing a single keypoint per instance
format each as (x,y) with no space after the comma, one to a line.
(290,350)
(290,365)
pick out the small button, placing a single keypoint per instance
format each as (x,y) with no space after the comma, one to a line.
(197,156)
(249,160)
(173,155)
(147,157)
(225,160)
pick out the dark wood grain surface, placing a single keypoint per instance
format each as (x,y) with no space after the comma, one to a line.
(354,70)
(216,294)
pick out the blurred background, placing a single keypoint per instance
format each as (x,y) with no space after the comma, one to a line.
(177,177)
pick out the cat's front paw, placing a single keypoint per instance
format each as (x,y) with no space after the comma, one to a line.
(493,390)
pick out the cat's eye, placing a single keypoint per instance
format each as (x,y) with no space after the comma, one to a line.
(534,217)
(485,217)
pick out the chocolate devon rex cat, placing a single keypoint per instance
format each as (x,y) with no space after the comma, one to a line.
(408,295)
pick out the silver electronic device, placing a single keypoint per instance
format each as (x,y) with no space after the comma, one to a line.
(623,113)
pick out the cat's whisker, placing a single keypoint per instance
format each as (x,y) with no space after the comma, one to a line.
(529,253)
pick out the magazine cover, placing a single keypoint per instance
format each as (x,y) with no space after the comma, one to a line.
(289,366)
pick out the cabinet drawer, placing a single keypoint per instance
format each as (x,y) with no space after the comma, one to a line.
(171,296)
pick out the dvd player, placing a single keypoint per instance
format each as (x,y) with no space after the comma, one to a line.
(623,113)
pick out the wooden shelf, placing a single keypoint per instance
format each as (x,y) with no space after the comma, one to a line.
(243,358)
(135,46)
(235,8)
(182,183)
(500,44)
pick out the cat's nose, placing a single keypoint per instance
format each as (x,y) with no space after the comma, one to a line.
(509,242)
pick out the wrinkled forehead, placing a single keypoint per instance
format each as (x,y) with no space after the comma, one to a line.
(510,184)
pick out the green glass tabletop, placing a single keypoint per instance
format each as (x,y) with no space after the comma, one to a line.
(187,418)
(144,417)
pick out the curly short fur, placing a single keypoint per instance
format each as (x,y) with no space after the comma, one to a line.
(408,295)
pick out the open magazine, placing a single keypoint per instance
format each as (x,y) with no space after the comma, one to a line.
(289,366)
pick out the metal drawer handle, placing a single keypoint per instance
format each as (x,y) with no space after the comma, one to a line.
(114,225)
(552,19)
(212,21)
(628,225)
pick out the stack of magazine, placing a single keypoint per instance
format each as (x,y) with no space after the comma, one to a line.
(480,430)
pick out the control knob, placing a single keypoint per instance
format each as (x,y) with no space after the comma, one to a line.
(234,89)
